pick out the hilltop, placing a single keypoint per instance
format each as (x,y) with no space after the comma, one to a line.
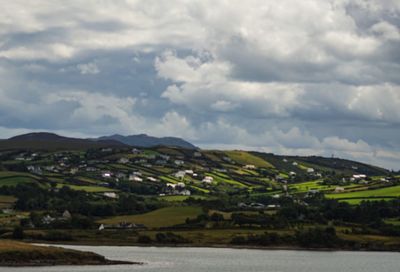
(51,141)
(143,140)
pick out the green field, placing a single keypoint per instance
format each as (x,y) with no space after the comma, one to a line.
(316,185)
(4,174)
(244,158)
(164,217)
(89,189)
(179,198)
(217,178)
(13,181)
(377,194)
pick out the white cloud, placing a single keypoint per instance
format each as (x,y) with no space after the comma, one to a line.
(287,76)
(88,68)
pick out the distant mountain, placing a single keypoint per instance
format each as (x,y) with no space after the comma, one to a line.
(51,141)
(143,140)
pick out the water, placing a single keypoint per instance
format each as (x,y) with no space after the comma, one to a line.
(232,260)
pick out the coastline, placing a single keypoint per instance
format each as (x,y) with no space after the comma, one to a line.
(221,246)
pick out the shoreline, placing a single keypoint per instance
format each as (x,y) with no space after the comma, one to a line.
(217,246)
(24,254)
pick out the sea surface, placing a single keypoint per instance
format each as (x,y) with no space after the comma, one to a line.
(232,260)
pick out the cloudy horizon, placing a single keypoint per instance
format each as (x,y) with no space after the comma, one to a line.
(289,77)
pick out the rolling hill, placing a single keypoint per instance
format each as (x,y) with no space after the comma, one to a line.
(51,141)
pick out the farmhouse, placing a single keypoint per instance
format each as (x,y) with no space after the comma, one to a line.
(208,179)
(310,170)
(106,174)
(249,167)
(180,174)
(339,190)
(110,195)
(179,162)
(123,160)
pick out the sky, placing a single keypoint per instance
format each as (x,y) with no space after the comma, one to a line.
(291,77)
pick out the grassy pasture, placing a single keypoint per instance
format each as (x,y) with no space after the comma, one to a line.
(88,189)
(393,191)
(164,217)
(179,198)
(217,178)
(13,181)
(243,157)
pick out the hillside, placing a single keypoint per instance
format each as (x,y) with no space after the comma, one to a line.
(14,253)
(143,140)
(171,195)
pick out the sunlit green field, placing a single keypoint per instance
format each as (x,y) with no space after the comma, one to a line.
(377,194)
(164,217)
(244,158)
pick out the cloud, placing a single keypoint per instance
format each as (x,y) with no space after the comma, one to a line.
(88,68)
(293,77)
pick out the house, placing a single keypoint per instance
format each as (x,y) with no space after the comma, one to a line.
(359,176)
(189,172)
(257,206)
(179,162)
(106,175)
(73,170)
(339,190)
(185,192)
(208,179)
(310,170)
(295,164)
(197,154)
(110,195)
(152,179)
(273,207)
(66,215)
(180,174)
(47,219)
(34,169)
(135,178)
(249,167)
(292,174)
(164,157)
(123,160)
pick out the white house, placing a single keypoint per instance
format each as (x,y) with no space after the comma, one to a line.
(310,170)
(180,174)
(110,195)
(208,179)
(360,176)
(179,162)
(123,160)
(135,178)
(249,167)
(339,190)
(106,175)
(151,179)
